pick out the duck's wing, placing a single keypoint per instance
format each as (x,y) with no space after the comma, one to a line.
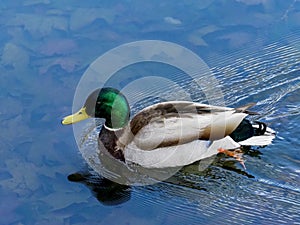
(179,122)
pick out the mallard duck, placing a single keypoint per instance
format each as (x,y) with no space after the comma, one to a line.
(169,134)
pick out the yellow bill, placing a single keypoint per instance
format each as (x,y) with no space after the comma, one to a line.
(76,117)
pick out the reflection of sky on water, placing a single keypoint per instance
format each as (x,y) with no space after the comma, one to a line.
(47,45)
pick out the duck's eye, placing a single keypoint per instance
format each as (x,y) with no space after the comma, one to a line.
(79,113)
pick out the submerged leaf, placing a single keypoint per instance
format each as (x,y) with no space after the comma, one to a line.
(68,64)
(14,56)
(172,20)
(83,17)
(58,46)
(39,25)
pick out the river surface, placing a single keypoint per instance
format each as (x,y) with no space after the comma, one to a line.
(252,49)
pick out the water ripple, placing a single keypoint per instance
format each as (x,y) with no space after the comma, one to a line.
(244,201)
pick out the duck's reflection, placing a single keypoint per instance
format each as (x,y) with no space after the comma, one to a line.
(107,192)
(112,193)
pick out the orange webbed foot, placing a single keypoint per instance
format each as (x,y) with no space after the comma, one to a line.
(235,153)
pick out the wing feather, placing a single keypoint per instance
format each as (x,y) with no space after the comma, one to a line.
(179,122)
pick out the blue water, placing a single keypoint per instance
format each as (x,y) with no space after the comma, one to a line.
(252,48)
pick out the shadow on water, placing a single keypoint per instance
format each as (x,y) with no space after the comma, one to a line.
(107,192)
(110,193)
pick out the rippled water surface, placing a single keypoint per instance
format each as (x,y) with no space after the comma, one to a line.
(251,47)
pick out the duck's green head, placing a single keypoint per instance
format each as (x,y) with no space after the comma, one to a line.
(107,103)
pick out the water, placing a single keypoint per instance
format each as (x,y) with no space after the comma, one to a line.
(252,48)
